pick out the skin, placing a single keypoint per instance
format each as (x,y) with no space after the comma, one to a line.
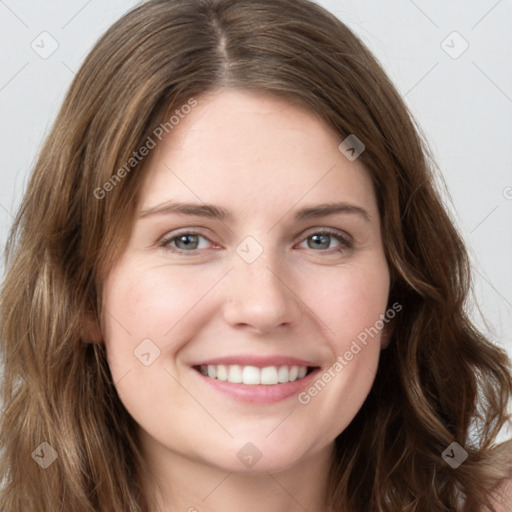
(262,159)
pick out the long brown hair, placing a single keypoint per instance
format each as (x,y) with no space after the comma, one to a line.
(440,381)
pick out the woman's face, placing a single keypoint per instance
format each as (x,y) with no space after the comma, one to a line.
(256,256)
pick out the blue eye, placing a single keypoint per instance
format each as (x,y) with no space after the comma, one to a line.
(186,242)
(320,241)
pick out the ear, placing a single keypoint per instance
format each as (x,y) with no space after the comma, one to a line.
(385,337)
(90,331)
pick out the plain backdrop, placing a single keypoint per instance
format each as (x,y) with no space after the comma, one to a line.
(451,61)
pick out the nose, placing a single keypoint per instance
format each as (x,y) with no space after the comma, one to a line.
(260,297)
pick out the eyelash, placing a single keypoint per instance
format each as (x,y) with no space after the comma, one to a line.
(345,242)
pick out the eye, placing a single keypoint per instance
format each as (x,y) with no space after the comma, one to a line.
(190,241)
(187,241)
(322,240)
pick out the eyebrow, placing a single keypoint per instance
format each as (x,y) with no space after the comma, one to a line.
(217,212)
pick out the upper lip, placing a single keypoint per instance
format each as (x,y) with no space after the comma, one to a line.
(258,361)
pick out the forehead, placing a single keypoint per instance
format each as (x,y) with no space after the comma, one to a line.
(250,150)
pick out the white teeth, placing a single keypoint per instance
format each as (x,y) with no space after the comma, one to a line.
(235,374)
(282,374)
(222,372)
(252,375)
(269,375)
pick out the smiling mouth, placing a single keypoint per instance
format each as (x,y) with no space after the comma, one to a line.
(253,375)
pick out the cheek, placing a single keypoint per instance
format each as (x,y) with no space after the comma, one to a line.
(148,300)
(351,301)
(144,302)
(351,304)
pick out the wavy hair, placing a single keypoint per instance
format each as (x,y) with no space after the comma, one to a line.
(440,380)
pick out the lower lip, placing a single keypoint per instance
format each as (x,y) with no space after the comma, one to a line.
(262,393)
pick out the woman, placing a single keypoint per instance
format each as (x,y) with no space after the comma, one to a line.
(232,284)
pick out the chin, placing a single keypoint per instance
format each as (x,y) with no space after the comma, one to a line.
(267,464)
(263,455)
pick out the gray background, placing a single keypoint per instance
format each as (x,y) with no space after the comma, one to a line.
(462,98)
